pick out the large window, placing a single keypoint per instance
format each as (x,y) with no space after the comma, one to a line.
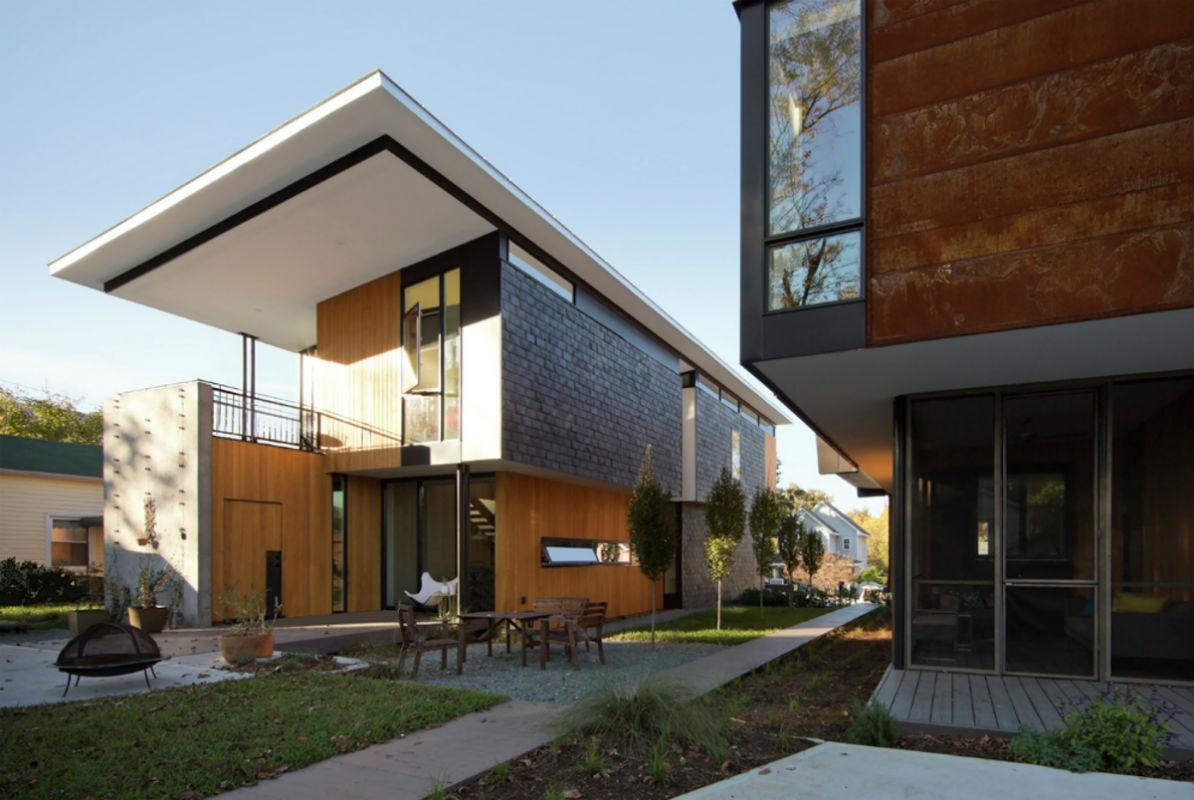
(431,355)
(814,153)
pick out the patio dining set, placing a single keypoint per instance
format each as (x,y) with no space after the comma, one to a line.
(568,621)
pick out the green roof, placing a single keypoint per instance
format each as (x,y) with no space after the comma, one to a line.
(58,458)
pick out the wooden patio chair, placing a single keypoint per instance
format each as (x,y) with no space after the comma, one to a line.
(414,638)
(573,620)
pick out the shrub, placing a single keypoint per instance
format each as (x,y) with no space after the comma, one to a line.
(1117,732)
(873,725)
(873,574)
(658,710)
(1124,729)
(771,597)
(27,582)
(1054,749)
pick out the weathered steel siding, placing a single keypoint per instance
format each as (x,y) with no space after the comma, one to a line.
(1029,162)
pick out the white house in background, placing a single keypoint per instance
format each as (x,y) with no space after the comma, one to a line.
(842,536)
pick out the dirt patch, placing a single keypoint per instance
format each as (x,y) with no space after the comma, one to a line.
(773,713)
(291,662)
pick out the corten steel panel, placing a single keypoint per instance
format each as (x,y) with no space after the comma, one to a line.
(1030,163)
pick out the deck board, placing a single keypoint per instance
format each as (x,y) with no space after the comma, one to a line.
(1001,705)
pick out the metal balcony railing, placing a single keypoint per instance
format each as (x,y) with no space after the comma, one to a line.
(257,418)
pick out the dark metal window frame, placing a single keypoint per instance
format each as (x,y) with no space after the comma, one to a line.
(441,312)
(563,541)
(857,224)
(1102,585)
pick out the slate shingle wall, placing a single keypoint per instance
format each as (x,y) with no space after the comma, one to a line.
(714,423)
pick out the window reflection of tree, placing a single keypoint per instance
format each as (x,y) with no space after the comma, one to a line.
(815,70)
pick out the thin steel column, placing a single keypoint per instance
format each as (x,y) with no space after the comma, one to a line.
(462,535)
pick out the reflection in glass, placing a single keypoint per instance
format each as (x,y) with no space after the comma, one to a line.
(69,544)
(1050,630)
(481,544)
(814,65)
(339,542)
(812,271)
(952,466)
(1152,529)
(452,354)
(1049,508)
(401,513)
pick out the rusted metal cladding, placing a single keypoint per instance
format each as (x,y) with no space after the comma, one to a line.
(1029,162)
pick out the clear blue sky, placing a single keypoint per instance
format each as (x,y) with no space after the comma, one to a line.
(621,118)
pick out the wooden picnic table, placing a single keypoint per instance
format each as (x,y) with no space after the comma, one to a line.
(520,621)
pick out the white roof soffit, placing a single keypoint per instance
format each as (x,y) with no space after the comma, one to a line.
(847,396)
(265,275)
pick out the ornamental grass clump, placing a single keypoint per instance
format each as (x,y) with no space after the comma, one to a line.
(658,710)
(873,725)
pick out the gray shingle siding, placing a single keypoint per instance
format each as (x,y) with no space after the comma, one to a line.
(577,397)
(714,423)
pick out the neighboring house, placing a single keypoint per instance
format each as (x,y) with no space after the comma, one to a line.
(477,387)
(968,264)
(51,503)
(845,542)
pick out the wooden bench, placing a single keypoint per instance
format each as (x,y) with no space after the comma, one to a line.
(573,620)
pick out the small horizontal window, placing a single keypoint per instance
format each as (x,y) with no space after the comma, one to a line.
(815,271)
(559,552)
(541,272)
(704,383)
(729,400)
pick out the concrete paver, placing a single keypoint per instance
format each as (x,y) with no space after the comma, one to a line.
(833,771)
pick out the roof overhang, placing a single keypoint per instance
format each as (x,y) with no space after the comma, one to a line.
(847,397)
(365,183)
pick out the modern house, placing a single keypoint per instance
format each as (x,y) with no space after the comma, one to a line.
(52,503)
(973,223)
(477,386)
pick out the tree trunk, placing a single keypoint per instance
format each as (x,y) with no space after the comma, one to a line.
(762,586)
(652,616)
(719,603)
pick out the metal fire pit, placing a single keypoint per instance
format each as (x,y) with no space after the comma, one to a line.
(108,649)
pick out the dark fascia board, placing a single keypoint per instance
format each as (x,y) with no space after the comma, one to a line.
(739,5)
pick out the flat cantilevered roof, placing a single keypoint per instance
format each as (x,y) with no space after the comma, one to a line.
(364,183)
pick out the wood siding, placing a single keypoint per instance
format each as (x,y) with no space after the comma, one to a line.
(529,508)
(1029,162)
(272,498)
(358,374)
(770,462)
(26,500)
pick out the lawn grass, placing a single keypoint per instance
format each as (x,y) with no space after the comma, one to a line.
(42,617)
(738,624)
(197,741)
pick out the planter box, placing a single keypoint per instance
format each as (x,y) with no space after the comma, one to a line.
(150,620)
(237,650)
(79,621)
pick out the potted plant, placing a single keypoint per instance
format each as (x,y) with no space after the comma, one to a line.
(81,618)
(252,633)
(146,614)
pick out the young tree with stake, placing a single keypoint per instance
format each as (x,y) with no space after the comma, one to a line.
(652,523)
(725,519)
(765,514)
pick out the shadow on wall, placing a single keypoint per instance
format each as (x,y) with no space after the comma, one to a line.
(123,572)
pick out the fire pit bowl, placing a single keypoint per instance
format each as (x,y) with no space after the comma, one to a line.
(107,649)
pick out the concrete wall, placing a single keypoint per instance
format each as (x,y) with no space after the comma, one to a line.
(578,398)
(27,500)
(1029,163)
(157,444)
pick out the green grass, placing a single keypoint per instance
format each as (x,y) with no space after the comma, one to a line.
(41,617)
(738,624)
(200,740)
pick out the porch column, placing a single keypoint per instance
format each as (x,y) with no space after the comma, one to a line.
(462,535)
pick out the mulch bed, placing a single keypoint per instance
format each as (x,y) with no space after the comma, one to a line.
(771,714)
(290,663)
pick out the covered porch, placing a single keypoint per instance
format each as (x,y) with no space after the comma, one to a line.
(970,704)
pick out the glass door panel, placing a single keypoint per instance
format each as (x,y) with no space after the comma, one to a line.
(952,567)
(400,541)
(437,529)
(1049,510)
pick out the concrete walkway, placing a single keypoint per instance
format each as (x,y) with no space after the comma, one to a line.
(833,771)
(712,671)
(412,767)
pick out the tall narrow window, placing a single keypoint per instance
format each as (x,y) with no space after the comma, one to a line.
(431,356)
(814,216)
(339,543)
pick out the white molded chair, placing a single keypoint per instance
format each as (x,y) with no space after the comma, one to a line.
(431,591)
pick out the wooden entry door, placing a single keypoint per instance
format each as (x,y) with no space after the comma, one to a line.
(252,528)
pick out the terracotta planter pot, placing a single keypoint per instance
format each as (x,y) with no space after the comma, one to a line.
(238,649)
(79,621)
(150,620)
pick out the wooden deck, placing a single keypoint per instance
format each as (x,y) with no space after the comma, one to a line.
(925,701)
